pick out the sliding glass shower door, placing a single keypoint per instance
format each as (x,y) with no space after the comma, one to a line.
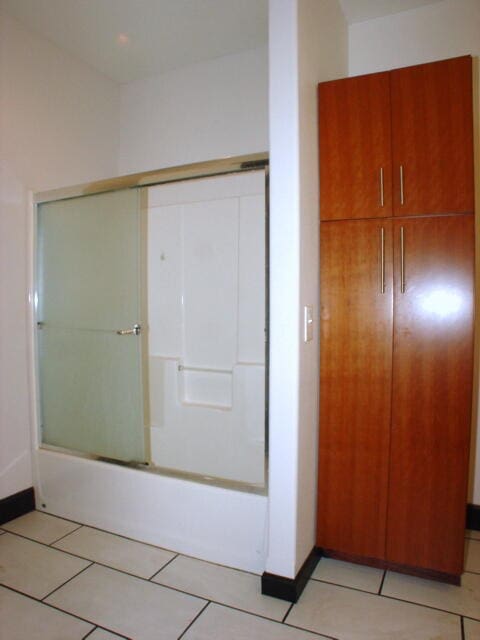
(89,325)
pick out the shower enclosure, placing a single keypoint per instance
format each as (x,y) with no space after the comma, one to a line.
(151,324)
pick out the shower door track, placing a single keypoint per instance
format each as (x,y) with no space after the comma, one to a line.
(206,169)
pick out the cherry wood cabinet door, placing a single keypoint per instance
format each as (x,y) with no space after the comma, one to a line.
(431,391)
(355,385)
(432,138)
(355,147)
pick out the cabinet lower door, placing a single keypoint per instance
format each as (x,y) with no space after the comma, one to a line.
(356,360)
(431,391)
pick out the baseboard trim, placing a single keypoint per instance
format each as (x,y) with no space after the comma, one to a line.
(473,517)
(290,589)
(430,574)
(17,505)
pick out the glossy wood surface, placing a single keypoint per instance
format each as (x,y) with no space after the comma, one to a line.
(355,383)
(432,137)
(432,384)
(355,143)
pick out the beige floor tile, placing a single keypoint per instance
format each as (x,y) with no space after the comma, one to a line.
(472,629)
(100,634)
(352,615)
(227,586)
(348,574)
(34,568)
(24,619)
(133,557)
(40,527)
(216,620)
(127,605)
(474,535)
(472,555)
(464,600)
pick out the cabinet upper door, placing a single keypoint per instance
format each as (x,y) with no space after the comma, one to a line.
(432,138)
(355,148)
(432,384)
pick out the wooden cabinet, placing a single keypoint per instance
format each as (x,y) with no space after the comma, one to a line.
(357,179)
(398,141)
(396,346)
(431,391)
(356,324)
(432,138)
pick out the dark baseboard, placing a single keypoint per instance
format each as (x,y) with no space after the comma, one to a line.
(17,505)
(473,517)
(430,574)
(290,588)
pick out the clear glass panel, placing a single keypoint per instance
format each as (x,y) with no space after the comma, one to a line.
(88,288)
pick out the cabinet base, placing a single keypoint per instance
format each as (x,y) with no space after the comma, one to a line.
(429,574)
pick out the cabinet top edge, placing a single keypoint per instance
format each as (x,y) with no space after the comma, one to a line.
(466,58)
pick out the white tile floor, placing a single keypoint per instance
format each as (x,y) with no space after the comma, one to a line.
(65,581)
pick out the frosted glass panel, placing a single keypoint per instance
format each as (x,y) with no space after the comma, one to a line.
(88,288)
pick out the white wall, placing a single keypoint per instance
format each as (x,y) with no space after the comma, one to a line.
(58,126)
(205,111)
(433,32)
(308,44)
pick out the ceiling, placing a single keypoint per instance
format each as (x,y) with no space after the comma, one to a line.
(131,39)
(360,10)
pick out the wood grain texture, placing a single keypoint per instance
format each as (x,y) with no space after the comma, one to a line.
(432,392)
(355,143)
(355,385)
(432,137)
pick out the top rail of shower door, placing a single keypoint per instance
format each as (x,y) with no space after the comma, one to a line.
(209,168)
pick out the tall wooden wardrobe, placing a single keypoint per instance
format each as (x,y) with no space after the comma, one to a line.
(397,267)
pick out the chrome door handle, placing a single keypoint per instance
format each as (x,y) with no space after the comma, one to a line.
(135,331)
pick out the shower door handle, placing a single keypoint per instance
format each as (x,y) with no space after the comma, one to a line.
(135,331)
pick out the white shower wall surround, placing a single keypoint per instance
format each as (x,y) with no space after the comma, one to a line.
(206,316)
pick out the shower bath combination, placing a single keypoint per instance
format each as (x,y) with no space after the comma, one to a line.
(150,305)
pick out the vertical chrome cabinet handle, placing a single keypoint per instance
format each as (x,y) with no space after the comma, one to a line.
(382,200)
(402,194)
(382,260)
(402,260)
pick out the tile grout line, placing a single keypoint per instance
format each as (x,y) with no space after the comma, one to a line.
(148,544)
(288,611)
(162,568)
(344,586)
(396,599)
(231,606)
(462,628)
(119,535)
(201,597)
(68,613)
(381,582)
(66,582)
(316,633)
(193,621)
(90,632)
(50,544)
(75,555)
(427,606)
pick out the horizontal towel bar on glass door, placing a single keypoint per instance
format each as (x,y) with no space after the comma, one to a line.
(135,330)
